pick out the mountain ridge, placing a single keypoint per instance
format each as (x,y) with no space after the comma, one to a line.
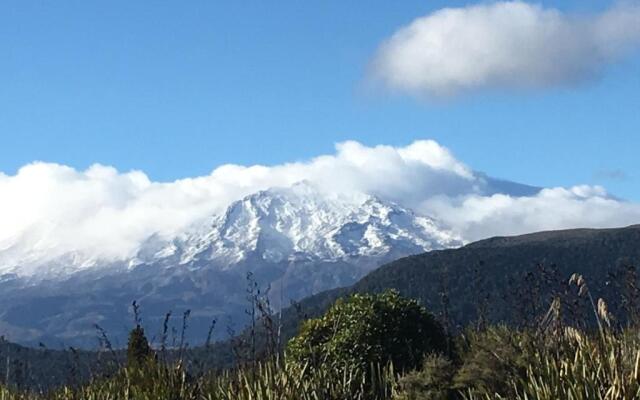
(550,235)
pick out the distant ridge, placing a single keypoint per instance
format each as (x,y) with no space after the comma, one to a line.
(554,237)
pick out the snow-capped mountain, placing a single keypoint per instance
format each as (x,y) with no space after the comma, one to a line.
(298,223)
(295,240)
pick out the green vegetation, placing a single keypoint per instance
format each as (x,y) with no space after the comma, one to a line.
(266,381)
(138,350)
(351,353)
(500,363)
(367,329)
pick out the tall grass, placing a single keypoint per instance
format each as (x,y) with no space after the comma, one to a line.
(562,362)
(574,366)
(266,381)
(497,363)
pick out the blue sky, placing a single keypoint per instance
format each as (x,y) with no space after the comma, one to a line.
(176,89)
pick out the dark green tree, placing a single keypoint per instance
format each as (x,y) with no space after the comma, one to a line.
(365,329)
(138,350)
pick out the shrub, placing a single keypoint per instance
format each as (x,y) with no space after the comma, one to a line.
(138,350)
(492,357)
(432,382)
(369,329)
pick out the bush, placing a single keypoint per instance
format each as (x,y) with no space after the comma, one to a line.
(138,350)
(492,357)
(432,382)
(369,329)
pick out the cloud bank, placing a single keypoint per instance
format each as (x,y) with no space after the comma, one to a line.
(504,45)
(49,210)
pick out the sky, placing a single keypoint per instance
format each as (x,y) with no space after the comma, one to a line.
(177,89)
(143,117)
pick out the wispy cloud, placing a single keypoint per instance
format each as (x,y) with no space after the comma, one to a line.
(48,210)
(504,45)
(611,175)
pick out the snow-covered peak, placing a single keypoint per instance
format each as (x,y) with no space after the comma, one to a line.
(285,224)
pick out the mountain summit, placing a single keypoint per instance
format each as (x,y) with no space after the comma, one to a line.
(301,224)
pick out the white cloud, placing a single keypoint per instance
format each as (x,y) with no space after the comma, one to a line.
(477,217)
(48,210)
(512,45)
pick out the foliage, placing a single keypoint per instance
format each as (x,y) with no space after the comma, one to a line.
(492,357)
(138,350)
(432,382)
(577,366)
(553,360)
(369,329)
